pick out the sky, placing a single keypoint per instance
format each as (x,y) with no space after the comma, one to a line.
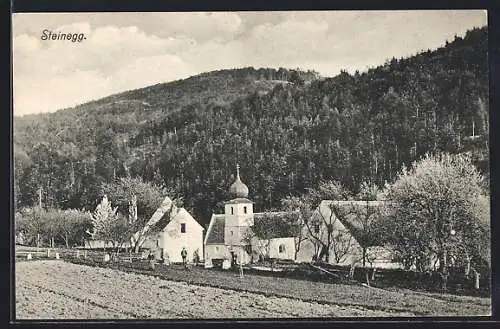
(124,51)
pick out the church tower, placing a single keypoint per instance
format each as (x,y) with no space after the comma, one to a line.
(238,213)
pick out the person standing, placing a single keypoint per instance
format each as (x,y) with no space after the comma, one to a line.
(184,255)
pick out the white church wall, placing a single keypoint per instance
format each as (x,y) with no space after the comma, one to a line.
(216,251)
(282,248)
(308,250)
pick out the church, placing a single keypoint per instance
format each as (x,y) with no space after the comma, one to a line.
(227,234)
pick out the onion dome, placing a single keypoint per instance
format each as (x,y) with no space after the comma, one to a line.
(238,189)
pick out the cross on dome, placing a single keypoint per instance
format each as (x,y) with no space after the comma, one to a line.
(238,189)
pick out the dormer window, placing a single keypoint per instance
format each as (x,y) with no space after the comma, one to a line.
(245,209)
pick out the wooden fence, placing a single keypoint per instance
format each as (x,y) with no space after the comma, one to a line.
(26,254)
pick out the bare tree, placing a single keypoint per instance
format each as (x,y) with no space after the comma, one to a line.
(318,221)
(362,220)
(297,212)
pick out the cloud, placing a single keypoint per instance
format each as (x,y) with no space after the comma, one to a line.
(201,26)
(38,94)
(123,51)
(62,73)
(151,70)
(287,41)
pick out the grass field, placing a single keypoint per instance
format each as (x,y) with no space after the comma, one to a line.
(57,289)
(51,289)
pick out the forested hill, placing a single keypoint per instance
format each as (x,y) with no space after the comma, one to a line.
(288,130)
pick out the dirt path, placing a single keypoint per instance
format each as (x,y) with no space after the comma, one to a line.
(60,290)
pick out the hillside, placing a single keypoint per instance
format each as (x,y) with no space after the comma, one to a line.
(287,129)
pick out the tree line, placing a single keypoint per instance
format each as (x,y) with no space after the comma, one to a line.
(287,137)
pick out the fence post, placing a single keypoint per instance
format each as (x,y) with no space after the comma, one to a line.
(77,253)
(57,255)
(85,254)
(241,264)
(373,273)
(29,257)
(476,275)
(48,253)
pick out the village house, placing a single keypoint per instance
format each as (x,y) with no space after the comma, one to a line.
(171,229)
(352,224)
(228,233)
(166,233)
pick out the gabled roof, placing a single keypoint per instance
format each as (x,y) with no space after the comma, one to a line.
(215,232)
(166,206)
(182,215)
(352,214)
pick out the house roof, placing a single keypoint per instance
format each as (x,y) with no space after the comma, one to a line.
(354,215)
(182,215)
(166,206)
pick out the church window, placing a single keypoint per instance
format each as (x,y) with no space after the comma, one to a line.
(232,211)
(183,228)
(281,248)
(245,209)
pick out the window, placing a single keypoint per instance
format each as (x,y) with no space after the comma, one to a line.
(232,211)
(216,248)
(316,227)
(281,248)
(183,228)
(232,233)
(245,209)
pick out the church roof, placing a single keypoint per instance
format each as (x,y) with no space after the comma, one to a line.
(238,200)
(215,234)
(274,224)
(238,189)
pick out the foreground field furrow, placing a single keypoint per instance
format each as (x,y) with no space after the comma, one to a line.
(97,294)
(48,289)
(397,302)
(90,302)
(32,303)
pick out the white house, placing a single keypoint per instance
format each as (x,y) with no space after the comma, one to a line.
(183,231)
